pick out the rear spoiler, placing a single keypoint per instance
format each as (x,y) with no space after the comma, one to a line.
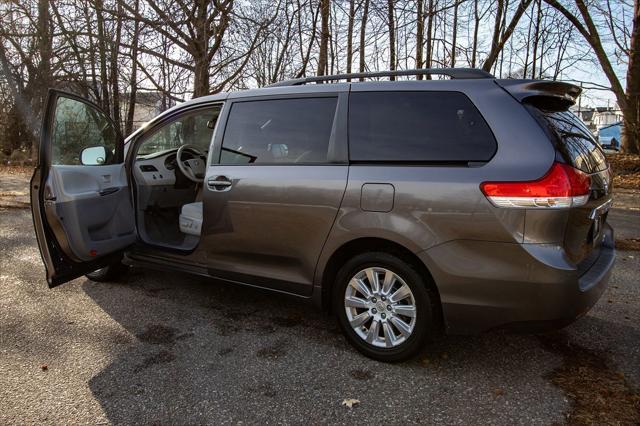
(549,94)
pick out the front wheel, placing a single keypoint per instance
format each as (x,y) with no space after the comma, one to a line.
(109,273)
(383,306)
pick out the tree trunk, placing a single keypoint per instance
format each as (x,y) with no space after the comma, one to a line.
(476,26)
(133,82)
(363,33)
(427,61)
(201,76)
(325,11)
(631,113)
(352,13)
(115,88)
(200,51)
(102,52)
(419,35)
(392,37)
(495,40)
(454,38)
(305,56)
(496,49)
(44,78)
(536,40)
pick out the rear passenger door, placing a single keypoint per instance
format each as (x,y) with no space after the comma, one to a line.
(272,191)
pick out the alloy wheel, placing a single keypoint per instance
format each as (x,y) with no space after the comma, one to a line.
(380,307)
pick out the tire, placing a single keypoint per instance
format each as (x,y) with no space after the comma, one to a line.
(375,343)
(109,273)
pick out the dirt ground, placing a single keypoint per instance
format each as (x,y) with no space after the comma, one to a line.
(163,348)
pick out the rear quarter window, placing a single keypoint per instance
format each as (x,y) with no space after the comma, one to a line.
(417,127)
(572,139)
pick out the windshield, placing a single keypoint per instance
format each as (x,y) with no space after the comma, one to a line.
(195,128)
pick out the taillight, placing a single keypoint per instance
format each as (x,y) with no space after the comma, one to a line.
(563,186)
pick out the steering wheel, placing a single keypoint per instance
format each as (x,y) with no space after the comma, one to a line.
(194,168)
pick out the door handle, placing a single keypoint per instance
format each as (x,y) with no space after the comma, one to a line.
(219,183)
(108,191)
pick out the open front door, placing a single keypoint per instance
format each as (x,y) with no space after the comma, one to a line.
(80,199)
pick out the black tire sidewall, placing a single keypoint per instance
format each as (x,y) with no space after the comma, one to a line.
(108,273)
(424,327)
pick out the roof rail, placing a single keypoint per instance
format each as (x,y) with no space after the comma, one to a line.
(454,73)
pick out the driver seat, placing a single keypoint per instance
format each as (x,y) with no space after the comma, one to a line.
(191,218)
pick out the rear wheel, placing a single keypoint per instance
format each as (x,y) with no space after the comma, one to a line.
(383,306)
(108,273)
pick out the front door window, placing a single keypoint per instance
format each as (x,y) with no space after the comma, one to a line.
(81,132)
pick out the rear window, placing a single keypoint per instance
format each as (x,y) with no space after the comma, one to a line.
(572,138)
(417,127)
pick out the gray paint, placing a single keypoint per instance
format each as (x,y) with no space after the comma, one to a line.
(278,226)
(377,197)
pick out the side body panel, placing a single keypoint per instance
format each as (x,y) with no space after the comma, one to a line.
(435,204)
(268,227)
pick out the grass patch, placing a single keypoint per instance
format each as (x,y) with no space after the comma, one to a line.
(600,395)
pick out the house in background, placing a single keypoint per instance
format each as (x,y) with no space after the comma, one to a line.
(605,116)
(148,105)
(586,115)
(596,118)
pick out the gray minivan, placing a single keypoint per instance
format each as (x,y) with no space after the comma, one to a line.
(407,208)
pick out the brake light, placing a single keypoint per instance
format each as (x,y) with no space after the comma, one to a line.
(563,186)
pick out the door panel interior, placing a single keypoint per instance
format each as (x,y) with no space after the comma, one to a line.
(91,211)
(80,200)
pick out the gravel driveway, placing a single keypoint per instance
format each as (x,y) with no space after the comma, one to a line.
(171,348)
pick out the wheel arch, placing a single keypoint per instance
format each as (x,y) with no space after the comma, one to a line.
(373,244)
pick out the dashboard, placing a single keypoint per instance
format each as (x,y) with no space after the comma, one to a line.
(158,168)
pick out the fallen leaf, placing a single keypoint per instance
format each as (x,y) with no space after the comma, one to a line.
(498,391)
(351,402)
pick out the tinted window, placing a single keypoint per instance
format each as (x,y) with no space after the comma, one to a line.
(195,128)
(279,131)
(77,126)
(417,127)
(573,140)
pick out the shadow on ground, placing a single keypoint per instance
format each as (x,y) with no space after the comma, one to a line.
(204,351)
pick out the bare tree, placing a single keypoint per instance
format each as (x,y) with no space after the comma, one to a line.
(500,38)
(419,34)
(325,11)
(363,34)
(352,15)
(392,35)
(629,99)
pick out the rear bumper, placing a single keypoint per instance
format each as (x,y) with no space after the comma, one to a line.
(531,287)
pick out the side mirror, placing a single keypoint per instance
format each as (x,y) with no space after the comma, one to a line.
(94,156)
